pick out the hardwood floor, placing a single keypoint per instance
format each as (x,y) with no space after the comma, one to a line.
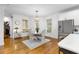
(17,47)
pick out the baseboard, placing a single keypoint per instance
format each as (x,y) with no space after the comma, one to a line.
(51,37)
(45,37)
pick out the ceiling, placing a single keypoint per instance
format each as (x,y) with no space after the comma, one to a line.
(44,9)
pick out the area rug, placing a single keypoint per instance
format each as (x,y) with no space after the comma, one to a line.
(32,44)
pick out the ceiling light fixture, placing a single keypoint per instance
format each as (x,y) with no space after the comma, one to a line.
(36,21)
(37,16)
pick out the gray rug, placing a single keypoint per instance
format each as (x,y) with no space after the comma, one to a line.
(31,44)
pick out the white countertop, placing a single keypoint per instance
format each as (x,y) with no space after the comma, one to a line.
(71,43)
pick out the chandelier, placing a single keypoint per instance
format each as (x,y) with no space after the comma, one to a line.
(37,21)
(36,16)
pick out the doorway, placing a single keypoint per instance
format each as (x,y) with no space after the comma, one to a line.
(6,32)
(6,27)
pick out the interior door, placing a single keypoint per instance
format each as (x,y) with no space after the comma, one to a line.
(68,26)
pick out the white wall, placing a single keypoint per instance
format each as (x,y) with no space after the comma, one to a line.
(18,20)
(42,24)
(31,22)
(54,32)
(1,25)
(70,15)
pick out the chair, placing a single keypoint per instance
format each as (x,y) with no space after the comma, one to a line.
(43,34)
(40,35)
(30,34)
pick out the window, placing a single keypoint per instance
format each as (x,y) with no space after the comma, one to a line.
(25,25)
(49,25)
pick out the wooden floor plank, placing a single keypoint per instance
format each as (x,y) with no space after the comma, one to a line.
(17,47)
